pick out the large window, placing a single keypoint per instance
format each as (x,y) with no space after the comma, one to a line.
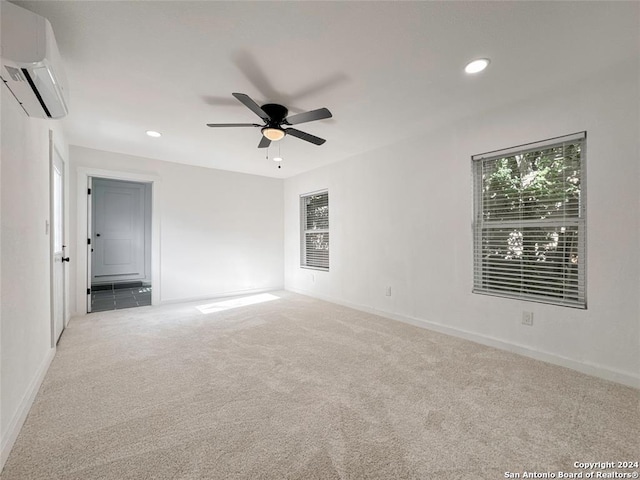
(314,237)
(529,222)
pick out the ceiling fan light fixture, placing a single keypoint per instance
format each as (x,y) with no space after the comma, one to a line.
(273,134)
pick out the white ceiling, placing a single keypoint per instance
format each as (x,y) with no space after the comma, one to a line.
(386,70)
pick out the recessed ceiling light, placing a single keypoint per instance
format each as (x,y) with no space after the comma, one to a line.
(277,159)
(153,133)
(477,65)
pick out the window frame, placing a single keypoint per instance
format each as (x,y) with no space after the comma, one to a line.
(306,261)
(483,234)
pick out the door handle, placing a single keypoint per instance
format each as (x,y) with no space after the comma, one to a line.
(97,234)
(65,259)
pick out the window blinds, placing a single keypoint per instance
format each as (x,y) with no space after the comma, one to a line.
(314,238)
(529,222)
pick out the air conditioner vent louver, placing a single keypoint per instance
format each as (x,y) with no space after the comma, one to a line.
(14,74)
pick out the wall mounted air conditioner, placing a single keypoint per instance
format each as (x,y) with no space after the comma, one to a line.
(30,62)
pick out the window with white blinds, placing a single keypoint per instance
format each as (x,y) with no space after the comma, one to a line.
(314,238)
(529,222)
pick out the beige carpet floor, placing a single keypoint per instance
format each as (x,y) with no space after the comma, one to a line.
(297,388)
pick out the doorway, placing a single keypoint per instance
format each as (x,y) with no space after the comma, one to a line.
(119,244)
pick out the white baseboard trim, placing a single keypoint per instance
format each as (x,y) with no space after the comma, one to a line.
(624,378)
(23,409)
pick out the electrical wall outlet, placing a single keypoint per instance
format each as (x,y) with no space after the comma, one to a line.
(387,291)
(527,318)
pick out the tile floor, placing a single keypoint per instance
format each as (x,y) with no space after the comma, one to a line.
(117,296)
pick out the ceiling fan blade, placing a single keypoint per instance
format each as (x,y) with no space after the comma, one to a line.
(233,125)
(251,105)
(264,142)
(305,136)
(318,114)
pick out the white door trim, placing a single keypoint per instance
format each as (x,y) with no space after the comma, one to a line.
(82,264)
(53,151)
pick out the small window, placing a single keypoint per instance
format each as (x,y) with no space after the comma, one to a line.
(314,226)
(529,222)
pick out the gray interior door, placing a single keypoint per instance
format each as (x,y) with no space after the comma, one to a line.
(118,231)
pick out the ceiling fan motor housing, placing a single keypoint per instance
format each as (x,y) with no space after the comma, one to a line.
(276,112)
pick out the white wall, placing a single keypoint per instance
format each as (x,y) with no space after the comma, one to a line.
(401,217)
(25,320)
(220,233)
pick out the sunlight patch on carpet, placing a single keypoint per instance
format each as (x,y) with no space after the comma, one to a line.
(236,303)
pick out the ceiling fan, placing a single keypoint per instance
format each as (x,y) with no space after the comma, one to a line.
(275,117)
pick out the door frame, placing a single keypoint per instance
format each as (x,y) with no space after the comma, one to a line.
(53,151)
(83,264)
